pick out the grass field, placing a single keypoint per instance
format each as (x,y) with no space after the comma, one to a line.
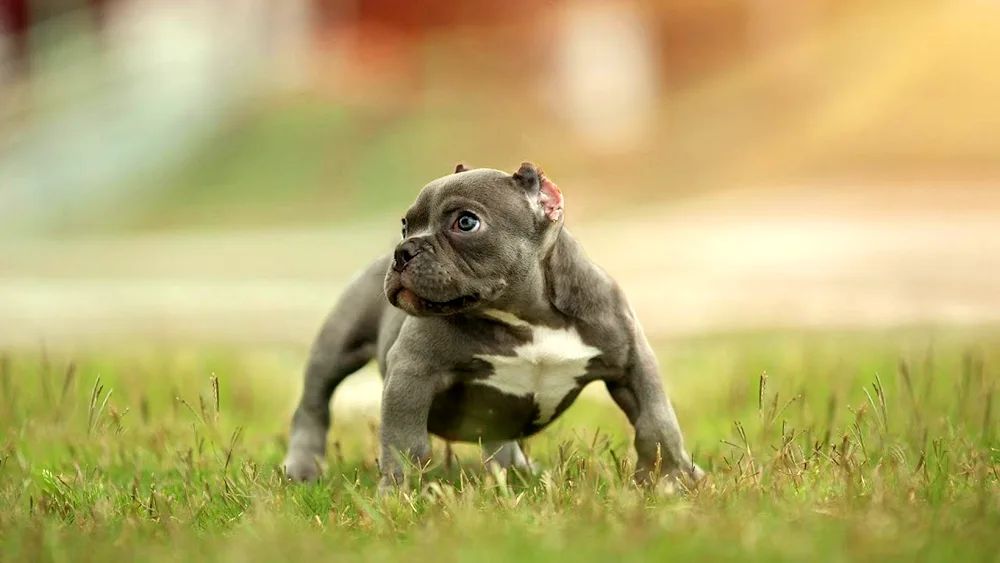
(825,446)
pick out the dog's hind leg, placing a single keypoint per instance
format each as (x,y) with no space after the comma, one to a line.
(507,455)
(345,344)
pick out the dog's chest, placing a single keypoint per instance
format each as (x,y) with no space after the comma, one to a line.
(546,369)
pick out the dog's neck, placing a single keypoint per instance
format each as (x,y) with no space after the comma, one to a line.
(534,300)
(529,305)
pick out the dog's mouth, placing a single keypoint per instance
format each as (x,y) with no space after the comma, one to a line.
(412,303)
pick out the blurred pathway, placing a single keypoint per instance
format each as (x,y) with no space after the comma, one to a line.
(820,258)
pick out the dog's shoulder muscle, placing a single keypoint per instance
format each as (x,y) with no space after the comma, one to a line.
(580,289)
(577,286)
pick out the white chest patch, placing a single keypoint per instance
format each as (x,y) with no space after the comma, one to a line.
(544,369)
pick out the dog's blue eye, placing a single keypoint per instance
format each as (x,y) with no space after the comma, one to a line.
(467,223)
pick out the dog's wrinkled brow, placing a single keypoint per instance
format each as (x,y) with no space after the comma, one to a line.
(419,213)
(416,217)
(453,204)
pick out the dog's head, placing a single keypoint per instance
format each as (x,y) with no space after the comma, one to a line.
(469,238)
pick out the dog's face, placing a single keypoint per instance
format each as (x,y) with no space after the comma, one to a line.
(469,238)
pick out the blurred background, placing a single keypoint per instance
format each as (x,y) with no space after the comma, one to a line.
(220,168)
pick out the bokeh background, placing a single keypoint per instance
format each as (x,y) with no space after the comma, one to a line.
(218,169)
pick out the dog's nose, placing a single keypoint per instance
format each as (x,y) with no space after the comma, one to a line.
(405,253)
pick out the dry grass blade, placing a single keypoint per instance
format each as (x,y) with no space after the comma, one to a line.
(880,391)
(95,410)
(192,409)
(216,396)
(904,372)
(788,404)
(233,442)
(761,389)
(68,380)
(987,432)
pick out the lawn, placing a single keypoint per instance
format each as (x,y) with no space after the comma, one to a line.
(826,446)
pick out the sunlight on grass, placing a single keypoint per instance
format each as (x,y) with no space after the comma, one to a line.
(826,445)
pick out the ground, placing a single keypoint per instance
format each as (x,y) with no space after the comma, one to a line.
(154,426)
(827,446)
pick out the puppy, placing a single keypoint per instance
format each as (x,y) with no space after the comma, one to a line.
(486,322)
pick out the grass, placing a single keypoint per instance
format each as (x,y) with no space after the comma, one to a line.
(830,446)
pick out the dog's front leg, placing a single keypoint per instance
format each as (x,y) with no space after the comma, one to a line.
(659,443)
(406,404)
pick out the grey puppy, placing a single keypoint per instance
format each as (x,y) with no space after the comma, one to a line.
(486,323)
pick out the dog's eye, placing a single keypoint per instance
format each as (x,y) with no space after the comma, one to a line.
(467,223)
(404,228)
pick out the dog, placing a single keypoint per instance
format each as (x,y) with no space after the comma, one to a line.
(487,321)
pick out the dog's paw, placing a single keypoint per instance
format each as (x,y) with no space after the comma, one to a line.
(686,481)
(673,482)
(530,468)
(302,468)
(391,485)
(697,474)
(522,466)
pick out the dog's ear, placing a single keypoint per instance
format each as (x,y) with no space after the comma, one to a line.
(460,168)
(528,176)
(544,194)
